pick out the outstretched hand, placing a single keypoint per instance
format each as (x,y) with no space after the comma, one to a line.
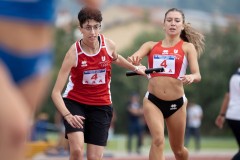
(135,60)
(141,70)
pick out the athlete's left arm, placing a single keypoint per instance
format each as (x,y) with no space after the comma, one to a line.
(120,60)
(192,58)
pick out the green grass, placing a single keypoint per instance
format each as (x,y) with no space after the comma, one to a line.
(217,143)
(119,143)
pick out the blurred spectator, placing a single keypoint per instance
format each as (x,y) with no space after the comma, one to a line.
(61,148)
(135,125)
(194,118)
(230,109)
(39,131)
(112,126)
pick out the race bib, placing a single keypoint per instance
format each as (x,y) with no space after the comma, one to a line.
(165,61)
(94,77)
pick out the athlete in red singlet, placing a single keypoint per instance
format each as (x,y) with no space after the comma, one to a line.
(165,99)
(94,73)
(86,103)
(172,59)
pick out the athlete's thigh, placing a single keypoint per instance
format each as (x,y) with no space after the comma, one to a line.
(13,113)
(14,124)
(35,89)
(76,140)
(95,149)
(97,125)
(176,125)
(154,118)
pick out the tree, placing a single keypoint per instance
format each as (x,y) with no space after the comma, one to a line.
(217,65)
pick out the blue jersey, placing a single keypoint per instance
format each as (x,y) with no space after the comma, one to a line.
(42,11)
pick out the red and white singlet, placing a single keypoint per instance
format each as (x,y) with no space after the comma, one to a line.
(172,59)
(89,82)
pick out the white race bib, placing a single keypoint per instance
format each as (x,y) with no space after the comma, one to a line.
(165,61)
(94,77)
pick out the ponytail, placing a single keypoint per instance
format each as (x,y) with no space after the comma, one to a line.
(189,34)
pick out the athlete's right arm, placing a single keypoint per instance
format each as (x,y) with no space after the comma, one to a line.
(68,62)
(221,117)
(143,51)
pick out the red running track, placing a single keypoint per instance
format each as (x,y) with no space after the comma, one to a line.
(198,156)
(206,157)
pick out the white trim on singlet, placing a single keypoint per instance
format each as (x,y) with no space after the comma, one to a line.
(91,55)
(183,67)
(77,53)
(109,89)
(69,87)
(108,52)
(101,47)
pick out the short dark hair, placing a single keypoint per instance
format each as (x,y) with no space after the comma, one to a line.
(86,14)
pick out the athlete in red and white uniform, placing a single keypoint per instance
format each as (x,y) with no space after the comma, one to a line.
(86,103)
(165,101)
(172,59)
(91,76)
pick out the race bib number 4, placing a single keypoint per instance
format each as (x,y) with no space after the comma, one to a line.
(165,61)
(94,77)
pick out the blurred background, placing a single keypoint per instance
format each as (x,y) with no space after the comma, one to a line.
(131,23)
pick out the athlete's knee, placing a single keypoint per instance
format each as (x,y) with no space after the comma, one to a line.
(158,142)
(22,132)
(19,133)
(181,153)
(94,156)
(15,138)
(76,153)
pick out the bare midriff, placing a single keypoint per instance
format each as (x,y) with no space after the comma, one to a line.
(166,88)
(25,38)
